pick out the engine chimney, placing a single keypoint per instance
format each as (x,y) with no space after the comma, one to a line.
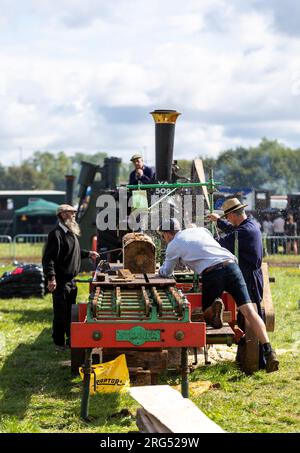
(110,172)
(164,142)
(69,189)
(86,177)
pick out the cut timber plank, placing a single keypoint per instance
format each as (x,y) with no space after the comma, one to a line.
(200,175)
(267,300)
(165,410)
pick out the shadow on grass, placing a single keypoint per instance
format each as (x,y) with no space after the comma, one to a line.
(35,369)
(39,315)
(32,369)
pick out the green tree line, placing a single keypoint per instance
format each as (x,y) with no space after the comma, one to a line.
(269,165)
(45,170)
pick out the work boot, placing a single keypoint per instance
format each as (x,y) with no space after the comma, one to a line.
(213,315)
(217,313)
(272,363)
(59,348)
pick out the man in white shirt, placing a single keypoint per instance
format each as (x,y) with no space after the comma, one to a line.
(197,249)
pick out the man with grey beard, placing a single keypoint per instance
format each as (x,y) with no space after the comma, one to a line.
(61,263)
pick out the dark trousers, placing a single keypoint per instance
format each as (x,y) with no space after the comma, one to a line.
(230,279)
(63,298)
(280,240)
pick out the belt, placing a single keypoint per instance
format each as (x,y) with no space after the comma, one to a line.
(218,266)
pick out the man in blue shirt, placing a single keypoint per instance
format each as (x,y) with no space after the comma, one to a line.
(243,237)
(238,226)
(141,173)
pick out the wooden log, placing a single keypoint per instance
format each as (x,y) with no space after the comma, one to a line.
(249,351)
(139,253)
(166,411)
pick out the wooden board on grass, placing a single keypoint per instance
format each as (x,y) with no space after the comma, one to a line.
(166,411)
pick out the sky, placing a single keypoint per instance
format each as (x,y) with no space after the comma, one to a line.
(83,76)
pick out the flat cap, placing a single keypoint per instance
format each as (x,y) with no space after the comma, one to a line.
(65,208)
(136,156)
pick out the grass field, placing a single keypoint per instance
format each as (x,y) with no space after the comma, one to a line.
(33,252)
(20,252)
(37,393)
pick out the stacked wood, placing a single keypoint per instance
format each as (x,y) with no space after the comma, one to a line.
(148,364)
(139,253)
(139,376)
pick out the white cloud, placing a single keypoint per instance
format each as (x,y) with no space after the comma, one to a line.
(84,76)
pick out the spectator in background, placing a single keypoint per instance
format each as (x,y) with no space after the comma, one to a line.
(268,230)
(256,222)
(278,226)
(291,230)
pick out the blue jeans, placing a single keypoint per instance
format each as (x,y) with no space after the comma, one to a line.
(230,279)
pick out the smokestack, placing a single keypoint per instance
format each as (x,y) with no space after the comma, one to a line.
(69,189)
(86,177)
(111,171)
(164,142)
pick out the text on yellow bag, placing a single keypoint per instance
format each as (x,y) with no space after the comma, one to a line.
(109,377)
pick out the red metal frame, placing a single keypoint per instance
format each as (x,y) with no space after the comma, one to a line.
(82,309)
(82,335)
(194,332)
(195,300)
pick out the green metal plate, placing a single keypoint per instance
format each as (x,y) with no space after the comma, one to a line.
(138,335)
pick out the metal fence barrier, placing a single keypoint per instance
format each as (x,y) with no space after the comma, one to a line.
(273,245)
(4,239)
(281,245)
(6,251)
(32,240)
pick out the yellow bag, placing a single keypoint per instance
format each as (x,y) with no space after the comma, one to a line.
(109,377)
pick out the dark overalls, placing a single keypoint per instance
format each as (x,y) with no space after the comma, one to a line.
(250,255)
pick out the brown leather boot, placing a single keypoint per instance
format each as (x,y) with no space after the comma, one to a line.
(213,315)
(272,363)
